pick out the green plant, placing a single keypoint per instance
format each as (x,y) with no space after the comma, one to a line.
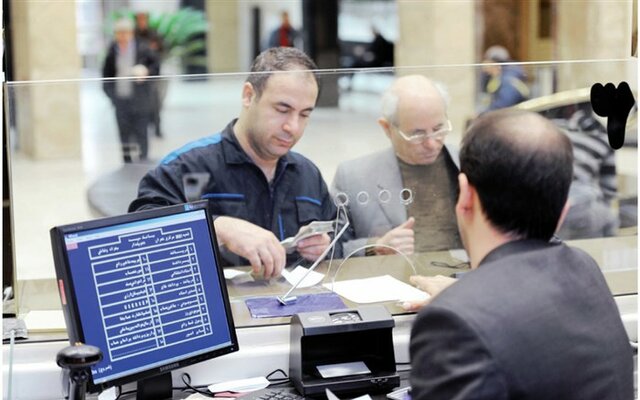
(182,33)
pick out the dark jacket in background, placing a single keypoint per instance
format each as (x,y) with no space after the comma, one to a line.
(141,89)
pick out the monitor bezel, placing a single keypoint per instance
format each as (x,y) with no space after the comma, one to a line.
(70,305)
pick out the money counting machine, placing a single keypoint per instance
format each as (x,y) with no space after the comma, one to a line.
(348,351)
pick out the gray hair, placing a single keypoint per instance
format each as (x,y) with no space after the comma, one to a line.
(390,100)
(497,53)
(123,25)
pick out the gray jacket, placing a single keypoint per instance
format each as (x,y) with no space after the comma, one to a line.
(373,186)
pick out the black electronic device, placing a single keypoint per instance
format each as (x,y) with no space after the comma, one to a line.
(77,360)
(147,289)
(348,351)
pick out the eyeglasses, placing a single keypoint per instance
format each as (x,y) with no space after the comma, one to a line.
(418,136)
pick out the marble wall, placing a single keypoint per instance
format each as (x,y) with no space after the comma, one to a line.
(45,48)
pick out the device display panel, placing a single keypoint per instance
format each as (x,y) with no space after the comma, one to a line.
(148,292)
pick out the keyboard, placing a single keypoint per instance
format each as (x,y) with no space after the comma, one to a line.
(273,394)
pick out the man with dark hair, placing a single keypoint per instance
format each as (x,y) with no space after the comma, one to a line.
(504,82)
(284,35)
(534,319)
(258,191)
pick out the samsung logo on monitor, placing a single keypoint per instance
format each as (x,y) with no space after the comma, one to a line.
(169,367)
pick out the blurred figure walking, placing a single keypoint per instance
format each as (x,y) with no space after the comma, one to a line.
(505,84)
(284,35)
(132,98)
(152,39)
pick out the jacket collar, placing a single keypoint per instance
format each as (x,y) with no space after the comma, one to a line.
(515,247)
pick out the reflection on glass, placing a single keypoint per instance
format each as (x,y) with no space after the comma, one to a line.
(66,164)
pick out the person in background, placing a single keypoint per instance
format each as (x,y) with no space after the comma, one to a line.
(403,197)
(258,190)
(594,186)
(150,37)
(284,35)
(534,318)
(132,98)
(504,83)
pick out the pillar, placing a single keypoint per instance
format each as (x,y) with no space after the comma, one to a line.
(222,38)
(593,30)
(440,33)
(45,48)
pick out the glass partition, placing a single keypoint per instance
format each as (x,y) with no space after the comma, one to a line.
(67,164)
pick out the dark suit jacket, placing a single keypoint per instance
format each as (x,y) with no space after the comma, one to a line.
(534,321)
(141,98)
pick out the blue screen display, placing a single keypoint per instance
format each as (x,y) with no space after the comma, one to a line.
(148,292)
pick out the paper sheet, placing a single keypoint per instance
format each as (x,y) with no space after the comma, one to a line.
(45,321)
(377,289)
(459,254)
(331,396)
(294,276)
(230,273)
(240,385)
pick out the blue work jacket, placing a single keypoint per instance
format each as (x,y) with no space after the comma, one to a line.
(237,187)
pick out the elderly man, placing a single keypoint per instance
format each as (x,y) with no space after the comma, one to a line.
(129,58)
(403,197)
(534,319)
(258,191)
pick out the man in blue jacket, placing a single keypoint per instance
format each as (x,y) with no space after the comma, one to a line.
(504,82)
(258,190)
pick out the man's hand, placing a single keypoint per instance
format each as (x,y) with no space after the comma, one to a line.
(430,284)
(312,247)
(400,237)
(258,245)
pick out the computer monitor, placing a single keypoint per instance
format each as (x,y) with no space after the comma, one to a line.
(148,290)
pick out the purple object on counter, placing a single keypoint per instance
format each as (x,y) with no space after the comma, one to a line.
(269,307)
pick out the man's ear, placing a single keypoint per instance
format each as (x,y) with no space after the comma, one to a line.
(248,94)
(563,214)
(466,195)
(386,126)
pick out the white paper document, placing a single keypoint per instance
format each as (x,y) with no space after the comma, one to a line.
(332,396)
(377,289)
(45,321)
(294,276)
(459,254)
(240,385)
(230,273)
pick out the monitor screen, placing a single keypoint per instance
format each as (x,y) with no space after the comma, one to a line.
(147,289)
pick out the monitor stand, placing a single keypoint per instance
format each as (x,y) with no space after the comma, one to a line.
(155,388)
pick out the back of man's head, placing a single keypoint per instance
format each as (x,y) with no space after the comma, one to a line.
(521,167)
(277,59)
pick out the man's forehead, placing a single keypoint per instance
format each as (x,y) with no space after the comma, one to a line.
(291,85)
(433,112)
(279,77)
